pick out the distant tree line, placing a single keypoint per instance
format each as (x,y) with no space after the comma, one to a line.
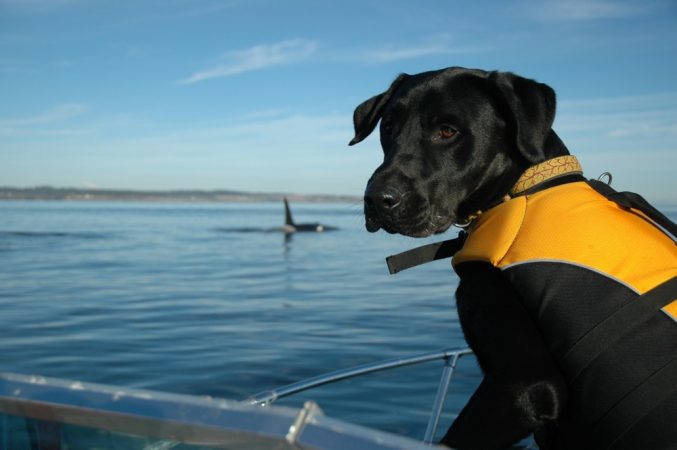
(87,194)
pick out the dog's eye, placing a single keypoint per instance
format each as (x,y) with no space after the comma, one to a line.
(446,132)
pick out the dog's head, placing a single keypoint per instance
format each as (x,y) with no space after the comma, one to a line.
(454,142)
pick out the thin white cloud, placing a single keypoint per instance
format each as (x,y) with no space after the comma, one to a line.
(261,132)
(59,113)
(178,10)
(132,52)
(396,54)
(438,45)
(265,150)
(622,117)
(633,137)
(644,129)
(582,10)
(659,101)
(638,125)
(209,8)
(36,6)
(256,58)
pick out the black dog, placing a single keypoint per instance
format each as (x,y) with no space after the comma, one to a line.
(456,141)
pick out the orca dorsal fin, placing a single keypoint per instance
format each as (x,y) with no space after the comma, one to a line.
(287,214)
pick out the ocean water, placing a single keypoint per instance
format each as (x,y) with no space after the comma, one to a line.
(201,299)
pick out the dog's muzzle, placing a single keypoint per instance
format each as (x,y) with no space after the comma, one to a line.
(382,208)
(396,211)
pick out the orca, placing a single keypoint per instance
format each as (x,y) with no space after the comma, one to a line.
(291,227)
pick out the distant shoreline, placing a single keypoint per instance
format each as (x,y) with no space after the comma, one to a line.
(50,193)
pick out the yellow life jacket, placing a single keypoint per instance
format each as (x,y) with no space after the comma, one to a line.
(599,278)
(573,225)
(576,260)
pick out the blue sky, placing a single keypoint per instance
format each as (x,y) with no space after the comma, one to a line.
(258,95)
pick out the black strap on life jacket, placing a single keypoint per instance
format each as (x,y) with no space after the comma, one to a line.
(659,390)
(656,389)
(604,334)
(630,200)
(660,387)
(425,253)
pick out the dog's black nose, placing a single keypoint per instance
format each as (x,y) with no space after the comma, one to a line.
(384,199)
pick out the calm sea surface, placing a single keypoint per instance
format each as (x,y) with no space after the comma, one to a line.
(191,298)
(198,299)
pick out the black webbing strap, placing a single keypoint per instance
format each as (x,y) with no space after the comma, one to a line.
(425,253)
(630,200)
(604,334)
(658,389)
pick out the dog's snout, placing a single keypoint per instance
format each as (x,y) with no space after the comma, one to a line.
(384,199)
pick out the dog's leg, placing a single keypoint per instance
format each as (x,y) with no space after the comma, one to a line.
(522,389)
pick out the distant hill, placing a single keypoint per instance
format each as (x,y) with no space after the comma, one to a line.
(193,196)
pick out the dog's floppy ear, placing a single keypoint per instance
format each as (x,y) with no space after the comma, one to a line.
(533,107)
(368,113)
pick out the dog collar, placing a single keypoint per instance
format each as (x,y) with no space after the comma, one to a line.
(546,171)
(536,177)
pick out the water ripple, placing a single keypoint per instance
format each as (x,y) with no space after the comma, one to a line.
(160,297)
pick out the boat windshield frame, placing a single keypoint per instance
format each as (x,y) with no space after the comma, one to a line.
(216,423)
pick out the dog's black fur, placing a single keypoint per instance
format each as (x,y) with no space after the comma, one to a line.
(499,123)
(455,141)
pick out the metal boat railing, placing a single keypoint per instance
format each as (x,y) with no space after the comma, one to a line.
(46,414)
(39,413)
(449,356)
